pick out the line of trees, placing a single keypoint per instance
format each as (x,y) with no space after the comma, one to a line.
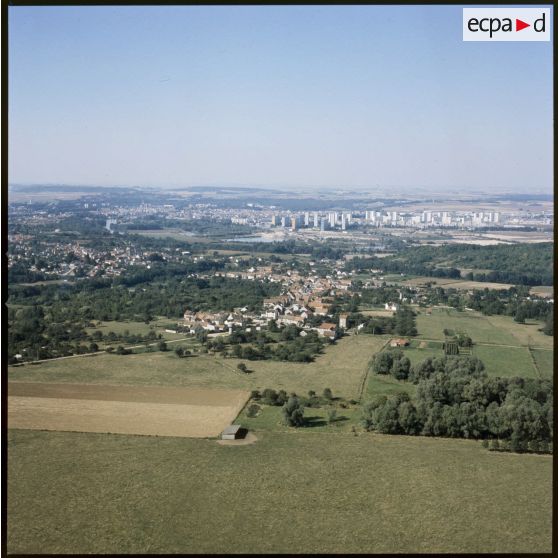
(403,322)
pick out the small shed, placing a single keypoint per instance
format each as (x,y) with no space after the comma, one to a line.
(399,343)
(233,432)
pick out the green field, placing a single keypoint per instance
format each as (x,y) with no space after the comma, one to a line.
(415,354)
(341,368)
(506,361)
(270,419)
(137,328)
(500,330)
(380,384)
(544,360)
(304,492)
(524,334)
(498,361)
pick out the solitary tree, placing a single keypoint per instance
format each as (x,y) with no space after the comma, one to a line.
(293,412)
(520,315)
(242,367)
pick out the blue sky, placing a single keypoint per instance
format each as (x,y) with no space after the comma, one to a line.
(292,96)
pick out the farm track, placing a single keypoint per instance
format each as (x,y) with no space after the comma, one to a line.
(492,344)
(367,372)
(534,361)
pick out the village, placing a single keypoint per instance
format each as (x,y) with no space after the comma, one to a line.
(305,302)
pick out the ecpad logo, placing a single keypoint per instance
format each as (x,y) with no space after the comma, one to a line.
(506,24)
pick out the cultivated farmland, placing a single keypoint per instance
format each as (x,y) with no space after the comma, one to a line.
(122,409)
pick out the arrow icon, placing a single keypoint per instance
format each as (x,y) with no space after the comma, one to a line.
(519,25)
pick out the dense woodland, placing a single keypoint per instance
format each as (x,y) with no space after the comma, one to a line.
(518,264)
(455,398)
(49,320)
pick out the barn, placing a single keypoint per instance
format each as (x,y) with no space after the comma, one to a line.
(399,343)
(233,432)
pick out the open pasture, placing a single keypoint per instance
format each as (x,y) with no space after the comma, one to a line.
(152,411)
(545,362)
(506,361)
(497,330)
(418,351)
(341,367)
(526,334)
(291,492)
(136,328)
(380,384)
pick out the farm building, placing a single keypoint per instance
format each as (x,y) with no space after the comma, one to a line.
(398,343)
(233,432)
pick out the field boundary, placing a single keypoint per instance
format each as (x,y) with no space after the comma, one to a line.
(534,361)
(362,385)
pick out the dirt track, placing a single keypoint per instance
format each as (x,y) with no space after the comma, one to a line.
(157,411)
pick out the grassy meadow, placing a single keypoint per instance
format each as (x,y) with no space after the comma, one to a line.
(341,367)
(270,419)
(499,330)
(379,384)
(136,328)
(544,361)
(303,492)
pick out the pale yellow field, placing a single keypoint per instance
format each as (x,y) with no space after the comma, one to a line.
(544,291)
(123,409)
(379,313)
(456,283)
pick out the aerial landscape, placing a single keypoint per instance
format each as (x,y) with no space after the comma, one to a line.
(240,323)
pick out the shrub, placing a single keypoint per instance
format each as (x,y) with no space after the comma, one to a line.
(252,410)
(269,396)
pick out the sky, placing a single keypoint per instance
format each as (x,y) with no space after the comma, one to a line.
(281,96)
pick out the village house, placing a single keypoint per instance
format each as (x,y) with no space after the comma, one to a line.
(326,329)
(291,320)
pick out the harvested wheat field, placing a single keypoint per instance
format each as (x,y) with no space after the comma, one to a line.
(155,411)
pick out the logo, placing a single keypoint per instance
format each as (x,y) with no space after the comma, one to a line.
(506,24)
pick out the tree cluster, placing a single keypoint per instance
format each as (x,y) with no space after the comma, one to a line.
(455,398)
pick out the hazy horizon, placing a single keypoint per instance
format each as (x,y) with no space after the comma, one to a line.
(300,98)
